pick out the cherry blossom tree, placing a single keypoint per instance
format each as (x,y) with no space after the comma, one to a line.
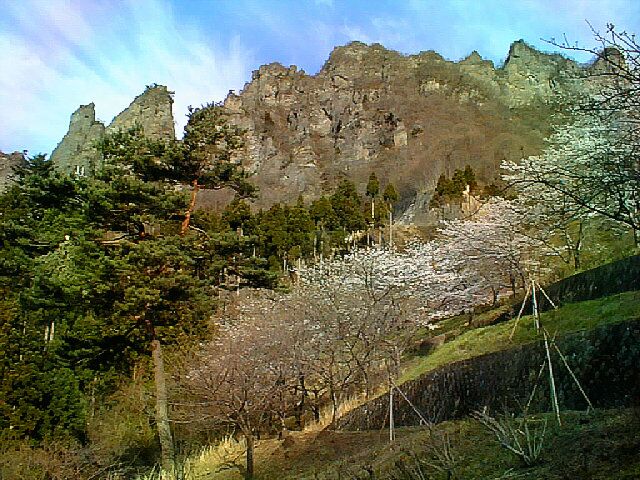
(421,272)
(239,380)
(592,163)
(492,248)
(587,168)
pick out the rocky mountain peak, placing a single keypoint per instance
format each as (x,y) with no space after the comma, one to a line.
(474,58)
(408,118)
(8,162)
(607,61)
(152,110)
(83,117)
(77,152)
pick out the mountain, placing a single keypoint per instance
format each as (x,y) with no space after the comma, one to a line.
(77,153)
(408,118)
(8,162)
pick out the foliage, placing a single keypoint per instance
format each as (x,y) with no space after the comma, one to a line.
(450,189)
(390,195)
(592,163)
(373,186)
(94,268)
(520,436)
(347,206)
(213,144)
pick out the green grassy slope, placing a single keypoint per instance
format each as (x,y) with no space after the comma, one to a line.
(568,318)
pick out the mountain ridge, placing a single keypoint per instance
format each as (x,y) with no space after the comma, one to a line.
(408,118)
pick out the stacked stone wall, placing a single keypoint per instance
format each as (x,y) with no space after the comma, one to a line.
(605,361)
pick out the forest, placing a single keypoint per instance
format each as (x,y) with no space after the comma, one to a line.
(137,329)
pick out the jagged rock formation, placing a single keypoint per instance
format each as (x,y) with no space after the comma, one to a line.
(369,109)
(152,111)
(407,118)
(8,162)
(77,152)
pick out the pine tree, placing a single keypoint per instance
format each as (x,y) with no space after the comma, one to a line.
(347,206)
(373,188)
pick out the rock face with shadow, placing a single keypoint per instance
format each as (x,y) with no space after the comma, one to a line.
(8,163)
(77,152)
(408,118)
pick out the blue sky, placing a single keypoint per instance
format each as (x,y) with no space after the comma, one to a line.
(58,54)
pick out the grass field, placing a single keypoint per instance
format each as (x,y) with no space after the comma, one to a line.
(478,341)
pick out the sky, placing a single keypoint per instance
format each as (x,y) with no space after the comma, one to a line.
(58,54)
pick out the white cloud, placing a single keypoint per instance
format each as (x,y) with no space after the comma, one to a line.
(80,59)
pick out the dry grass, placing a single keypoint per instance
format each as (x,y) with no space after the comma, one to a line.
(602,445)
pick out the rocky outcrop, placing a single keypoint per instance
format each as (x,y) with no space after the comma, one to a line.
(8,162)
(529,75)
(407,118)
(369,109)
(78,154)
(150,110)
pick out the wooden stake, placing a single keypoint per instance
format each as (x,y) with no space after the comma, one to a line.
(391,423)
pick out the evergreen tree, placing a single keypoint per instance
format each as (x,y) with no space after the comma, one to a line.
(373,188)
(390,195)
(347,206)
(323,214)
(470,177)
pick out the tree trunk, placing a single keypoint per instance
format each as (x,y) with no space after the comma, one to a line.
(334,408)
(248,475)
(577,247)
(192,205)
(162,414)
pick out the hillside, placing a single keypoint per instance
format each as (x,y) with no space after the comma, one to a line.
(474,451)
(369,109)
(366,276)
(407,118)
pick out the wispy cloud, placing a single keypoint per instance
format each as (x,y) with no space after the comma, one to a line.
(58,54)
(60,58)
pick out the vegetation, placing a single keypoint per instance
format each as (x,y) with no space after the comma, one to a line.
(568,318)
(105,280)
(599,445)
(451,189)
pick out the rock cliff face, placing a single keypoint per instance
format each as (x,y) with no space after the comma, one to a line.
(77,152)
(407,118)
(152,111)
(9,161)
(369,109)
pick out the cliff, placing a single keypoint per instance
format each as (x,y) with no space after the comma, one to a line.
(407,118)
(369,109)
(77,152)
(8,162)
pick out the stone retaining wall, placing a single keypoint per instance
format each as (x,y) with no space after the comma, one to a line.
(606,361)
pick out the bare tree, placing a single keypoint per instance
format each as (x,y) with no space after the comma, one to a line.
(238,381)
